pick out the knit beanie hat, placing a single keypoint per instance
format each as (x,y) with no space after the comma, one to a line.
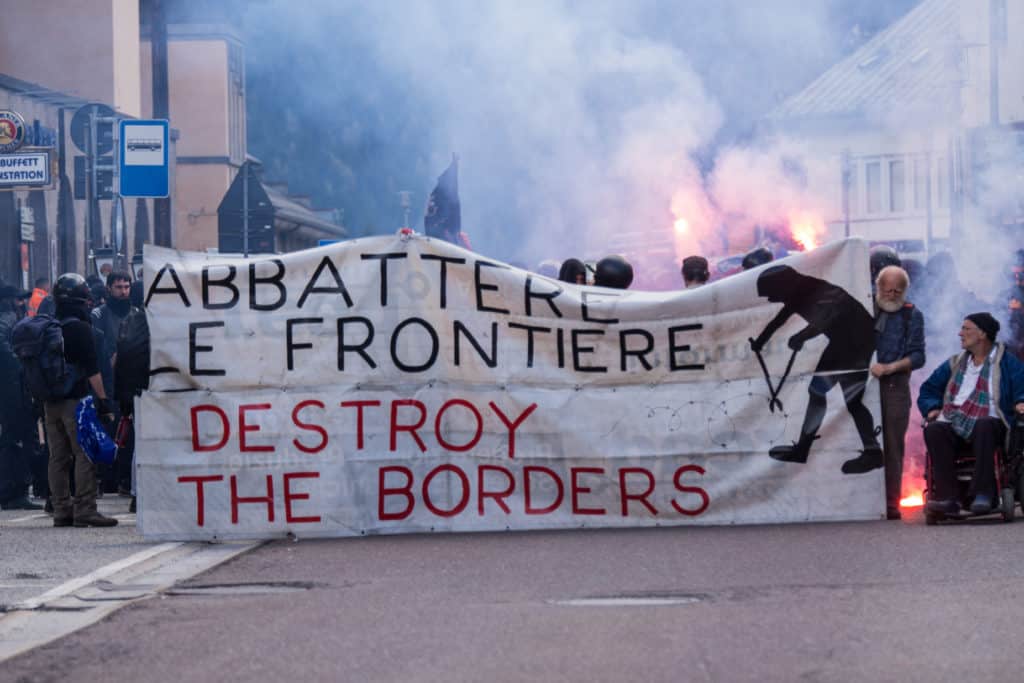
(986,323)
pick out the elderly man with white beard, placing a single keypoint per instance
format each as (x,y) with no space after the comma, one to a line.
(899,345)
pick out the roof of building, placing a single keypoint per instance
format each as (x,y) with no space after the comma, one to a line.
(38,92)
(289,210)
(910,63)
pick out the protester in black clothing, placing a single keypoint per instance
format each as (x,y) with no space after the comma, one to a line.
(106,320)
(828,310)
(757,257)
(72,296)
(574,271)
(17,432)
(695,272)
(614,272)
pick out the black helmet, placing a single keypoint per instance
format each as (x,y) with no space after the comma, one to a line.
(71,288)
(614,272)
(757,257)
(881,257)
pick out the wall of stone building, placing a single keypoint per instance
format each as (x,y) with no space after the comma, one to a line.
(86,48)
(199,192)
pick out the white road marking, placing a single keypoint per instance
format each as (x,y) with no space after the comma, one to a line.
(627,601)
(75,604)
(71,586)
(27,518)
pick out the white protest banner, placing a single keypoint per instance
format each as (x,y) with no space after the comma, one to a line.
(403,384)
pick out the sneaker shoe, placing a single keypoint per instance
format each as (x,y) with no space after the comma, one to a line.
(869,459)
(63,521)
(981,505)
(95,519)
(22,503)
(946,507)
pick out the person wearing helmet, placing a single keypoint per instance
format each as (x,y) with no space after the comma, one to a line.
(882,256)
(72,296)
(573,271)
(757,257)
(614,272)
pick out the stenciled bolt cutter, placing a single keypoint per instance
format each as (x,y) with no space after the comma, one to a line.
(773,402)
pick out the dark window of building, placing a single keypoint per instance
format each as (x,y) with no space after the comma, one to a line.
(873,173)
(853,188)
(897,185)
(941,183)
(920,183)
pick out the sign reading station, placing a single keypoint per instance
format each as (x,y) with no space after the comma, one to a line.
(25,169)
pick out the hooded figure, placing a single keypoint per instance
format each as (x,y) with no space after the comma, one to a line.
(849,328)
(443,218)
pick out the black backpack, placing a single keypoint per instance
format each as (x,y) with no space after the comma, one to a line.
(131,375)
(38,343)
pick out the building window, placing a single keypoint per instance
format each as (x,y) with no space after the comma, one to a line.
(920,183)
(852,188)
(897,186)
(941,183)
(873,173)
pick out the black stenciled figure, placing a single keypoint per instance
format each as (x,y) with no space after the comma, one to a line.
(831,311)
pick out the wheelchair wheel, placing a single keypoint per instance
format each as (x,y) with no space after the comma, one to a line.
(1006,504)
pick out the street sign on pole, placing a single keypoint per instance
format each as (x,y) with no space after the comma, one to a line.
(80,124)
(143,159)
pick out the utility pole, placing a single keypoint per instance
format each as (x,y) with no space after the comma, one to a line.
(245,209)
(161,108)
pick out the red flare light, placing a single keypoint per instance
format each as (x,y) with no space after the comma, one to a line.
(914,500)
(807,230)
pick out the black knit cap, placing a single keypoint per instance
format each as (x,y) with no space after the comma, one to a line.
(986,323)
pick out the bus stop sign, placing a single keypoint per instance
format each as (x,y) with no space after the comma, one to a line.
(143,166)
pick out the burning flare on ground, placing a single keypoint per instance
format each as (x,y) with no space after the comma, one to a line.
(914,500)
(807,230)
(682,226)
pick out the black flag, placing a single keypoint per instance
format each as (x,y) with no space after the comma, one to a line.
(443,218)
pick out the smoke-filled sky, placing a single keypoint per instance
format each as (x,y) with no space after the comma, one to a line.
(575,122)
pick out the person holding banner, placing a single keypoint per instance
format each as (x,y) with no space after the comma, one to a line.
(828,310)
(899,343)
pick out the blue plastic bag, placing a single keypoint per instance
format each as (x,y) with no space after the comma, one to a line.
(93,438)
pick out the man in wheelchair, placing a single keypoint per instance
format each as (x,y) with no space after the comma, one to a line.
(971,399)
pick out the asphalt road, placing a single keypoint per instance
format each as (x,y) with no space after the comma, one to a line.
(878,601)
(35,556)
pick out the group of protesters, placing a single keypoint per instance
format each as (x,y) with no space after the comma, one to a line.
(105,343)
(969,402)
(970,399)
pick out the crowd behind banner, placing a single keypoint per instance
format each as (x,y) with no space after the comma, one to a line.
(42,464)
(120,337)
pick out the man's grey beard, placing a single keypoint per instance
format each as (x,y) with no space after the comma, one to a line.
(890,306)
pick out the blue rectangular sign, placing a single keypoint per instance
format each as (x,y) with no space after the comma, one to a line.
(144,168)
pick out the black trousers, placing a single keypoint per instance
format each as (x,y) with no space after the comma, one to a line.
(943,444)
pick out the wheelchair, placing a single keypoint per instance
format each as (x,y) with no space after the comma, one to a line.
(1009,471)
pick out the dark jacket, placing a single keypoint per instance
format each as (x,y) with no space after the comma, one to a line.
(108,322)
(1007,384)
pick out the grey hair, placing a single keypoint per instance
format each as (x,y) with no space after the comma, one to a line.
(893,270)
